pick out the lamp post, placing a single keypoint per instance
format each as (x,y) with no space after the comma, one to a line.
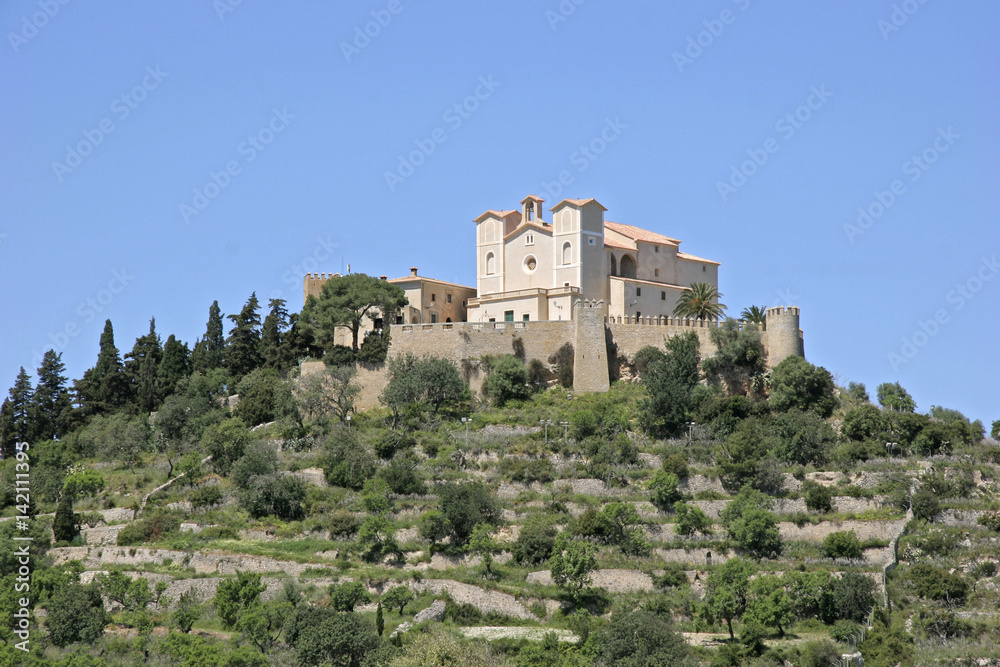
(348,422)
(466,421)
(546,423)
(565,426)
(889,446)
(690,426)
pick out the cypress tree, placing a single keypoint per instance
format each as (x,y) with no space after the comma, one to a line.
(15,414)
(243,345)
(141,366)
(273,349)
(209,351)
(104,387)
(52,403)
(174,367)
(64,526)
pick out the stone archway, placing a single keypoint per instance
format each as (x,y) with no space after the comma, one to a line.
(627,266)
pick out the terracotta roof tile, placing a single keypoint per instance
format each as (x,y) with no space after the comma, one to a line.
(639,234)
(608,243)
(694,258)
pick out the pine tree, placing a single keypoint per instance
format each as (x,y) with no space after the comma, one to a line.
(52,402)
(379,620)
(243,345)
(174,367)
(15,415)
(141,366)
(209,351)
(273,348)
(104,387)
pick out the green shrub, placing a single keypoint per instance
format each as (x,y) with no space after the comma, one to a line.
(535,540)
(936,584)
(991,520)
(518,469)
(818,498)
(205,496)
(842,544)
(925,505)
(148,529)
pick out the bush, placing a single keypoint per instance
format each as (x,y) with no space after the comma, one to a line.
(936,584)
(535,540)
(663,490)
(795,383)
(346,462)
(818,498)
(842,544)
(507,381)
(402,475)
(691,519)
(562,363)
(677,464)
(205,496)
(345,596)
(673,577)
(148,529)
(343,525)
(464,506)
(518,469)
(991,520)
(76,614)
(390,442)
(925,505)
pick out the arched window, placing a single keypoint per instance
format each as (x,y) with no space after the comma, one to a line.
(567,255)
(628,266)
(612,265)
(491,264)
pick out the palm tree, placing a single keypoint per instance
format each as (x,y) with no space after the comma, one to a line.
(700,301)
(756,315)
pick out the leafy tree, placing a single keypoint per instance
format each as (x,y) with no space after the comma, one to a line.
(755,315)
(795,383)
(935,583)
(440,648)
(261,624)
(818,498)
(507,381)
(842,544)
(864,423)
(669,382)
(331,391)
(663,489)
(209,351)
(243,345)
(562,364)
(376,537)
(700,301)
(345,301)
(851,597)
(275,494)
(803,437)
(83,483)
(809,592)
(995,430)
(234,596)
(104,387)
(375,496)
(117,437)
(858,392)
(346,596)
(264,397)
(375,347)
(925,505)
(346,462)
(341,638)
(768,603)
(403,475)
(727,590)
(483,544)
(642,639)
(141,369)
(690,519)
(188,610)
(434,527)
(745,455)
(751,525)
(258,459)
(76,614)
(535,541)
(894,397)
(132,594)
(434,381)
(739,361)
(64,525)
(51,401)
(226,442)
(571,565)
(398,597)
(465,506)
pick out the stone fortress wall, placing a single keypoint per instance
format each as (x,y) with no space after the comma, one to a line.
(590,333)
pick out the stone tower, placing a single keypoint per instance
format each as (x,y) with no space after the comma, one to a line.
(783,337)
(590,360)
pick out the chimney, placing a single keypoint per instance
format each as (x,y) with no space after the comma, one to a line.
(413,271)
(383,277)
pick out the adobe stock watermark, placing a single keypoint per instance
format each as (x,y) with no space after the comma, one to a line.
(223,7)
(322,252)
(915,167)
(86,312)
(363,35)
(122,107)
(706,38)
(786,126)
(565,9)
(899,17)
(959,296)
(31,25)
(22,504)
(583,156)
(248,149)
(454,116)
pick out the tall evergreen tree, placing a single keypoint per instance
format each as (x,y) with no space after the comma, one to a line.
(52,402)
(15,418)
(273,348)
(243,345)
(104,387)
(208,353)
(174,367)
(141,366)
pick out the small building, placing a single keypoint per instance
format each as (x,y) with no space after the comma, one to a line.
(433,300)
(530,269)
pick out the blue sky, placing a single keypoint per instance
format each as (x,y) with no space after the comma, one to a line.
(836,156)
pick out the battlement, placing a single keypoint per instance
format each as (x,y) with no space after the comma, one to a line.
(664,321)
(780,311)
(321,276)
(589,304)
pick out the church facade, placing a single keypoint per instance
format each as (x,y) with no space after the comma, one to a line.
(530,269)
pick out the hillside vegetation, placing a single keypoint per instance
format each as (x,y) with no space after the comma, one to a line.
(209,506)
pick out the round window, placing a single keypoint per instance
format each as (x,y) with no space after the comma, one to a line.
(530,263)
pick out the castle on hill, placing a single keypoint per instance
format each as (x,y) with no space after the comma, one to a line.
(604,287)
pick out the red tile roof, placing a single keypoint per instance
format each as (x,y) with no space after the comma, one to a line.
(694,258)
(639,234)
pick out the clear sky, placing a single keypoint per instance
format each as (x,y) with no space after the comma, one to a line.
(157,156)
